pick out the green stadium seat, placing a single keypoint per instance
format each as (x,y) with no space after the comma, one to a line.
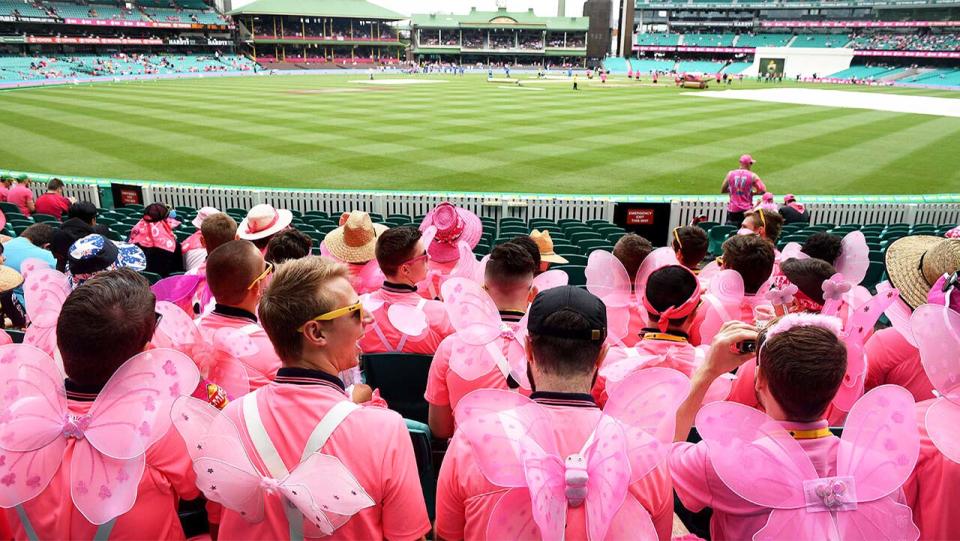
(402,380)
(894,235)
(580,236)
(707,225)
(565,249)
(825,226)
(8,208)
(45,218)
(420,437)
(106,220)
(296,213)
(115,236)
(375,217)
(185,209)
(542,223)
(15,335)
(512,231)
(716,236)
(574,259)
(16,221)
(152,277)
(607,229)
(481,249)
(400,218)
(589,245)
(614,237)
(796,237)
(234,210)
(317,213)
(561,222)
(182,234)
(574,272)
(874,275)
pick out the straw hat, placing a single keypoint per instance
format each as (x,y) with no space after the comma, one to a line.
(262,221)
(355,241)
(916,262)
(545,244)
(9,279)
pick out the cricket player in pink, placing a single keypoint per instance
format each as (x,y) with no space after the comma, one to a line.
(301,442)
(815,485)
(403,320)
(557,449)
(236,276)
(493,359)
(742,184)
(91,457)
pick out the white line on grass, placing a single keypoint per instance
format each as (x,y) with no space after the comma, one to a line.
(895,103)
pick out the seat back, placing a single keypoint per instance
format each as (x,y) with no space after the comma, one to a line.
(402,380)
(423,452)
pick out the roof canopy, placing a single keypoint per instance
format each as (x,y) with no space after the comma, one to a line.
(354,9)
(499,19)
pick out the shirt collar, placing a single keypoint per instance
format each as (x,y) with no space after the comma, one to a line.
(511,316)
(570,400)
(233,311)
(80,392)
(295,375)
(394,287)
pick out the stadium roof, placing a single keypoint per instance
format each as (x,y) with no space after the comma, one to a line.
(499,19)
(356,9)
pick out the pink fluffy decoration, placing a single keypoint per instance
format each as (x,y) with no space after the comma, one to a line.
(792,321)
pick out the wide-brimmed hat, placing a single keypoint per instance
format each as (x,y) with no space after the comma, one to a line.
(9,279)
(94,254)
(262,221)
(915,263)
(454,224)
(203,214)
(355,241)
(545,245)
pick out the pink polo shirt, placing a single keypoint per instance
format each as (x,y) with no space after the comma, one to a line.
(638,320)
(445,387)
(742,313)
(167,478)
(4,191)
(262,366)
(19,195)
(741,183)
(372,443)
(425,344)
(891,359)
(466,499)
(698,485)
(933,488)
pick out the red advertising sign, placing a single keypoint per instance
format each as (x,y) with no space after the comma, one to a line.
(130,197)
(640,217)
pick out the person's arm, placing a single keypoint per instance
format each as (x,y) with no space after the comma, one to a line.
(30,204)
(440,419)
(721,359)
(758,186)
(725,187)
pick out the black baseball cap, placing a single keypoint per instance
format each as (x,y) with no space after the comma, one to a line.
(571,299)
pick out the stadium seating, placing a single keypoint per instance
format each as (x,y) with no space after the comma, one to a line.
(16,68)
(26,10)
(865,72)
(763,40)
(708,40)
(820,41)
(661,39)
(402,380)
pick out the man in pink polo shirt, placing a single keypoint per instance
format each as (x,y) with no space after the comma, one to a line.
(508,279)
(315,318)
(236,276)
(53,203)
(802,367)
(21,196)
(565,348)
(102,324)
(742,184)
(403,260)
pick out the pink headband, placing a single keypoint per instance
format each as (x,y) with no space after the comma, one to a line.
(674,312)
(793,321)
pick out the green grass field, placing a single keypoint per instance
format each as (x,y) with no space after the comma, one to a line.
(468,135)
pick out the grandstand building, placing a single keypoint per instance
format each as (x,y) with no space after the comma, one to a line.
(61,40)
(500,37)
(874,42)
(287,33)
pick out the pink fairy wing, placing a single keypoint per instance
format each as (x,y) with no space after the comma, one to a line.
(798,525)
(754,456)
(858,327)
(321,486)
(546,484)
(854,257)
(23,476)
(103,488)
(607,482)
(883,520)
(880,442)
(467,265)
(226,369)
(727,286)
(470,362)
(193,419)
(657,259)
(370,277)
(494,422)
(408,319)
(178,290)
(708,272)
(618,324)
(551,279)
(623,361)
(472,313)
(176,330)
(608,279)
(33,403)
(937,330)
(793,250)
(943,425)
(32,264)
(513,518)
(632,523)
(645,403)
(44,294)
(899,314)
(133,409)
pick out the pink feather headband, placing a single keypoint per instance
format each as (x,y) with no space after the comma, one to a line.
(793,321)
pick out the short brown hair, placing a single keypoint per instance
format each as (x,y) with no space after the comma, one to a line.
(217,230)
(104,322)
(395,247)
(804,367)
(297,294)
(231,268)
(39,234)
(288,244)
(772,223)
(752,256)
(54,185)
(508,267)
(631,250)
(692,245)
(808,275)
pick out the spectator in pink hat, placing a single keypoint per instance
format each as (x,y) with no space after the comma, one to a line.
(454,225)
(742,184)
(263,221)
(792,211)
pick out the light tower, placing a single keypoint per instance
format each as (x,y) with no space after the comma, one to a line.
(561,8)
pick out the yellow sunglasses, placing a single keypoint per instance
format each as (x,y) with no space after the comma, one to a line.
(338,313)
(677,237)
(266,272)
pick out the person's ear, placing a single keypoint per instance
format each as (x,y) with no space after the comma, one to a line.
(528,349)
(315,335)
(532,294)
(604,349)
(203,241)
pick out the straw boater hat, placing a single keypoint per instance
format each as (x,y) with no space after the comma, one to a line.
(355,241)
(9,279)
(454,224)
(916,262)
(262,221)
(545,244)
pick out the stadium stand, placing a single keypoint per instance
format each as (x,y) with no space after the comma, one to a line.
(658,38)
(708,40)
(763,40)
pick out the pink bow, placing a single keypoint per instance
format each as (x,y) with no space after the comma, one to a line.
(782,296)
(835,287)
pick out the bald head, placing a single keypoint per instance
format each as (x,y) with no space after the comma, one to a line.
(231,269)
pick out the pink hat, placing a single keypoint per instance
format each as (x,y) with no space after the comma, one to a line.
(202,215)
(454,224)
(262,221)
(938,293)
(747,159)
(789,198)
(767,197)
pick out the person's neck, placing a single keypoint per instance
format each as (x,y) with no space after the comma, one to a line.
(556,384)
(400,280)
(248,305)
(315,361)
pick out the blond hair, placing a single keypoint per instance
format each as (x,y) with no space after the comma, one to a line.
(297,294)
